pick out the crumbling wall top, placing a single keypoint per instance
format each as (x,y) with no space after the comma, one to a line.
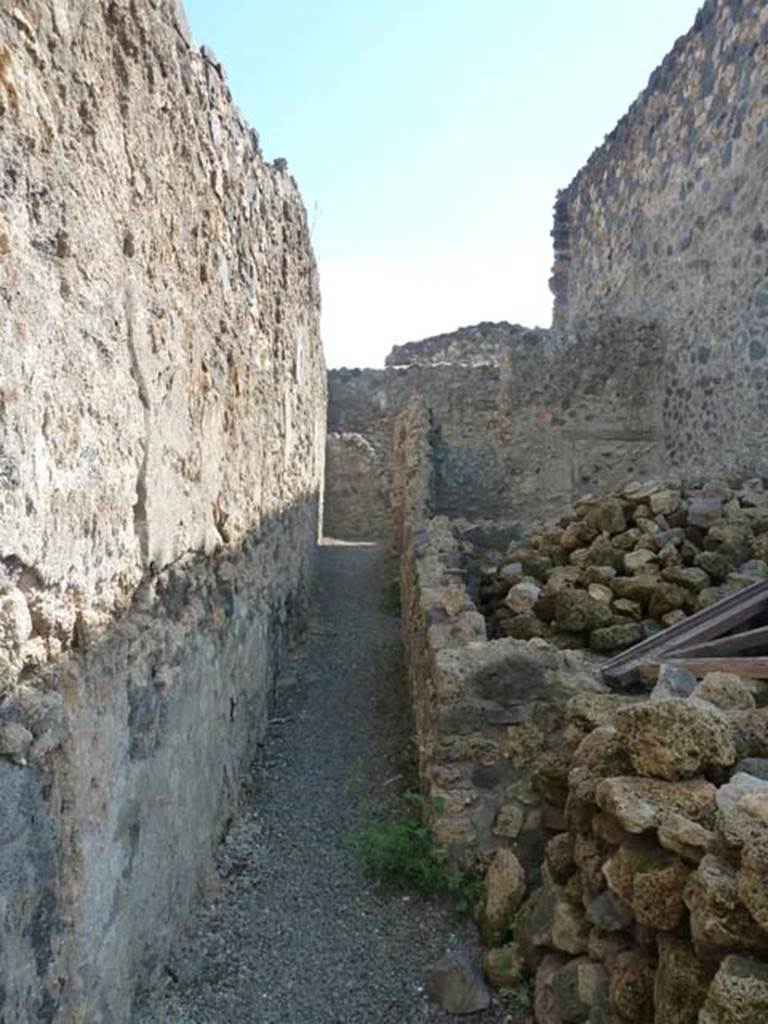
(476,345)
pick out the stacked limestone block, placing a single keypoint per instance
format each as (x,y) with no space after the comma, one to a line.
(654,906)
(626,565)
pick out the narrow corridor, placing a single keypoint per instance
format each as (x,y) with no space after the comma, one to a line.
(294,932)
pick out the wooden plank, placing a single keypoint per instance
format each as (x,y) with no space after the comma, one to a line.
(752,641)
(705,625)
(649,670)
(716,620)
(753,668)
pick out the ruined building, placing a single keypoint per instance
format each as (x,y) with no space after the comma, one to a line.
(657,357)
(622,836)
(163,401)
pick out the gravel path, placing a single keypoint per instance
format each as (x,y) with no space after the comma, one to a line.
(294,932)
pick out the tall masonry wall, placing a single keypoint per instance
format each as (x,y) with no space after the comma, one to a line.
(668,223)
(162,398)
(518,429)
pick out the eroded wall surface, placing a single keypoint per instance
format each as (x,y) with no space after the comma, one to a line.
(477,345)
(469,471)
(162,396)
(489,716)
(356,502)
(517,436)
(668,223)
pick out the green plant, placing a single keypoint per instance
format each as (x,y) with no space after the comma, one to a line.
(466,891)
(391,596)
(523,996)
(389,574)
(401,854)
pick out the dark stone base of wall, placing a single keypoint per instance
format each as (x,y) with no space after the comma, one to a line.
(106,831)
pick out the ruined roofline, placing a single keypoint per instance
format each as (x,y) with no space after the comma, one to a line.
(521,342)
(474,345)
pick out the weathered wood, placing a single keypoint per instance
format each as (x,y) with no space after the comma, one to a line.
(752,641)
(707,624)
(753,668)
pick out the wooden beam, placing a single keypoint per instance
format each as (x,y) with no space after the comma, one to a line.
(752,668)
(707,624)
(752,641)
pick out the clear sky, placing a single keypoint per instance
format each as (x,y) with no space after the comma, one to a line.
(429,138)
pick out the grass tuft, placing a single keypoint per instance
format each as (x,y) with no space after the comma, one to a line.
(401,855)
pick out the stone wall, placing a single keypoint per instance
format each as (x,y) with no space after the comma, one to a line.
(367,403)
(413,472)
(478,345)
(515,438)
(356,500)
(489,716)
(668,223)
(162,396)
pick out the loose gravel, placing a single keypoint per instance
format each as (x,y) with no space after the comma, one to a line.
(293,931)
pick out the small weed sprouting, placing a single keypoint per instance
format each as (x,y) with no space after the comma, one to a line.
(401,855)
(391,596)
(389,569)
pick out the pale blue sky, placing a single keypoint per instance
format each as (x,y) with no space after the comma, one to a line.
(429,137)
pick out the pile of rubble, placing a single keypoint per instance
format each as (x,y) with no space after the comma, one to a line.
(626,565)
(654,905)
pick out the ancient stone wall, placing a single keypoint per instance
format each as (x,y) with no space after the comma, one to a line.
(668,223)
(356,500)
(515,438)
(489,720)
(162,395)
(367,402)
(413,470)
(478,345)
(489,716)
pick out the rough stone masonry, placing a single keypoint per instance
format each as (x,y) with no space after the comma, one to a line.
(658,359)
(668,224)
(162,400)
(645,815)
(521,422)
